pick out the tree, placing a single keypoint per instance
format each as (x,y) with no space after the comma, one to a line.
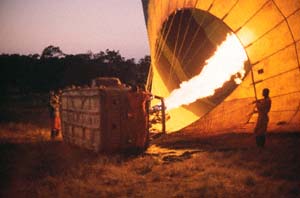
(112,56)
(144,65)
(52,52)
(145,61)
(34,56)
(143,69)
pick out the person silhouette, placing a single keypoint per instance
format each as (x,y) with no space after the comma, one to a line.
(263,107)
(54,104)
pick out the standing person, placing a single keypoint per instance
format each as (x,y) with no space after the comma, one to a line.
(263,107)
(54,104)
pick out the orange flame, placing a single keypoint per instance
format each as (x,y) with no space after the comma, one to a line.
(227,61)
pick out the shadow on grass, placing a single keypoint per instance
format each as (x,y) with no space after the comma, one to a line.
(23,162)
(34,161)
(278,160)
(223,142)
(35,115)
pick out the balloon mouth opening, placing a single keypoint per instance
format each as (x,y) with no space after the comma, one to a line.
(187,46)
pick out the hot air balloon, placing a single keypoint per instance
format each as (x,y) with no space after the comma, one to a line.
(185,36)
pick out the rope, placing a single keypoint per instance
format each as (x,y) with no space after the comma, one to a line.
(188,27)
(186,31)
(200,46)
(193,39)
(175,48)
(160,35)
(158,55)
(253,82)
(149,79)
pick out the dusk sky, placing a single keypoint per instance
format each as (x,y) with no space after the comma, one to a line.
(76,26)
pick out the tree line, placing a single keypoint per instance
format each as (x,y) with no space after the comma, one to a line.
(54,70)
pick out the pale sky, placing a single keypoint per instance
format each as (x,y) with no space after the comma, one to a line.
(76,26)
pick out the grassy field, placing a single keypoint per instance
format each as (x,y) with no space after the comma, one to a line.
(175,165)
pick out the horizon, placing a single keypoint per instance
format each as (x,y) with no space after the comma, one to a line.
(29,27)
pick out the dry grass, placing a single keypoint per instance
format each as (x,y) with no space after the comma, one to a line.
(31,165)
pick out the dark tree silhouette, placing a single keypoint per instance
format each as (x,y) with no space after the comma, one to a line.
(143,69)
(52,52)
(55,70)
(114,57)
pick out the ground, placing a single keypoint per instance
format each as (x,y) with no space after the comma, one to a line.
(176,165)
